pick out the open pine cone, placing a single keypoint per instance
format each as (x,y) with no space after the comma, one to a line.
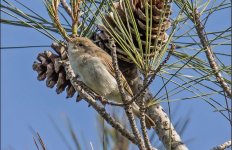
(160,23)
(49,68)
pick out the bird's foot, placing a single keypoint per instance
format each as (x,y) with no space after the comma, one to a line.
(102,100)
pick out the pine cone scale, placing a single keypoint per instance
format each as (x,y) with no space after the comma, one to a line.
(160,24)
(48,67)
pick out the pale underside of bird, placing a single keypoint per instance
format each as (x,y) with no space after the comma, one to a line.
(95,69)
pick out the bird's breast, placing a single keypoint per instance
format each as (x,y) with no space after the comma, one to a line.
(94,74)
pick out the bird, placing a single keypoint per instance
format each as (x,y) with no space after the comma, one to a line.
(94,67)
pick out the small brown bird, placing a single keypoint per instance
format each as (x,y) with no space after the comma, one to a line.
(94,67)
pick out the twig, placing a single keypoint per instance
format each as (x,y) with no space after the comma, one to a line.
(209,52)
(41,141)
(66,8)
(91,145)
(75,13)
(36,143)
(222,146)
(127,107)
(54,15)
(101,110)
(142,120)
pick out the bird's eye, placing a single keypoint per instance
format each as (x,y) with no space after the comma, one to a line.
(78,45)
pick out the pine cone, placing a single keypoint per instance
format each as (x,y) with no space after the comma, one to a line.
(49,68)
(160,23)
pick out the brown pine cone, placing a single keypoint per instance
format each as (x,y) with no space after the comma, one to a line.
(160,23)
(49,68)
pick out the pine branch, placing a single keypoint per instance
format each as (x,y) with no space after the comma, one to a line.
(222,146)
(66,8)
(209,52)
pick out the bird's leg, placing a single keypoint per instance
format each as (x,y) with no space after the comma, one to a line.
(102,99)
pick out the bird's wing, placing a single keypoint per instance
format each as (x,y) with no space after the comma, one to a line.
(107,61)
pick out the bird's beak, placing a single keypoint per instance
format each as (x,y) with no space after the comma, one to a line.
(69,43)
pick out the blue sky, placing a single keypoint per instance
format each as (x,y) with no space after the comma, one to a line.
(26,102)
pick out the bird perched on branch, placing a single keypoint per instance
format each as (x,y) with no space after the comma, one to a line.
(95,69)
